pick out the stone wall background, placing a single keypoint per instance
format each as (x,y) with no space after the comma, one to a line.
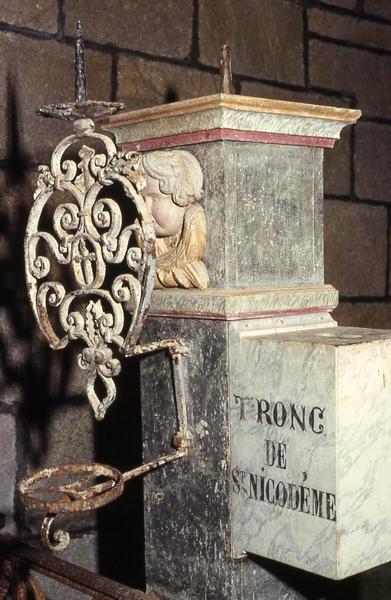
(146,52)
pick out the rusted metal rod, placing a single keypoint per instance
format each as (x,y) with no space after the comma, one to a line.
(227,86)
(22,558)
(80,67)
(154,464)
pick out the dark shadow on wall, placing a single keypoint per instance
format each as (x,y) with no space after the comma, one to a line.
(32,376)
(23,364)
(372,584)
(118,442)
(171,95)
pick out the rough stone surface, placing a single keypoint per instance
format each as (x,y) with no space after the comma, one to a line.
(343,3)
(13,357)
(263,90)
(42,73)
(143,83)
(60,424)
(16,190)
(339,68)
(70,436)
(351,29)
(373,175)
(8,469)
(19,347)
(160,27)
(337,166)
(349,226)
(271,26)
(380,8)
(363,314)
(41,15)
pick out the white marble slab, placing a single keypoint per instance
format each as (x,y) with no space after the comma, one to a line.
(326,397)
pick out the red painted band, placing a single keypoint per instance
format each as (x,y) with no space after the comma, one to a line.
(242,316)
(232,135)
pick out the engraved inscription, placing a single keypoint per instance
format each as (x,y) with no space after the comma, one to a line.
(263,486)
(281,414)
(287,495)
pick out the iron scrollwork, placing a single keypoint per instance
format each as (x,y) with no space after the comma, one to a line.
(88,235)
(90,254)
(76,236)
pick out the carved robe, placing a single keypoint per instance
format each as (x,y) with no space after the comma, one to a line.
(179,257)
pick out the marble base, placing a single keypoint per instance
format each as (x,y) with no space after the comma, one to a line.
(243,303)
(311,448)
(205,536)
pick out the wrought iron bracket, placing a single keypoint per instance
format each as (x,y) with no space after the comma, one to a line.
(83,487)
(90,273)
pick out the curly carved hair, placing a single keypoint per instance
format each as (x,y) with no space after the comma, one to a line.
(178,172)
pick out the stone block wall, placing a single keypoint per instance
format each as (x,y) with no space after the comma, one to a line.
(145,52)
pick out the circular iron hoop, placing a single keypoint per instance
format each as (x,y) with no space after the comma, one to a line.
(81,494)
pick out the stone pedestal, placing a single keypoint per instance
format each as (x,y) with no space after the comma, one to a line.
(263,179)
(288,412)
(311,448)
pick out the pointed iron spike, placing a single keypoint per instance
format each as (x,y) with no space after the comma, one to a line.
(227,86)
(82,108)
(80,67)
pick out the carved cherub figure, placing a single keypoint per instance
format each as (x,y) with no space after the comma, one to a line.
(173,193)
